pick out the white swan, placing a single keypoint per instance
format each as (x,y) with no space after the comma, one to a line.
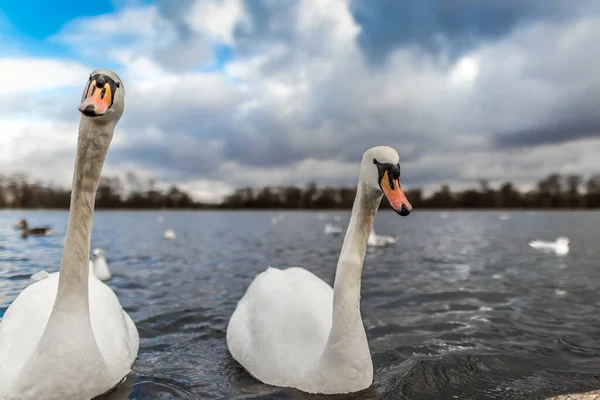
(100,266)
(376,240)
(169,235)
(292,329)
(67,336)
(331,229)
(560,246)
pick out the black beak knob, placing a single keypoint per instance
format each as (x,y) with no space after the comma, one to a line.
(404,211)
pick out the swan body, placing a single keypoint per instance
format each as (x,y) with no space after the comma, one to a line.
(67,336)
(293,329)
(376,240)
(331,229)
(169,234)
(560,246)
(31,370)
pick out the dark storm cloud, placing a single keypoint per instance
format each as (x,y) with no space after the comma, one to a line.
(180,161)
(559,132)
(272,20)
(575,117)
(450,27)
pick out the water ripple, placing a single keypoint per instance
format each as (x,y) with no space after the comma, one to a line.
(460,307)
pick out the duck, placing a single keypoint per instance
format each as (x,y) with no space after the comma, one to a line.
(27,231)
(292,329)
(67,336)
(169,234)
(560,246)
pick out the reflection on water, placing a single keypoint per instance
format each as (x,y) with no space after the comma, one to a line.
(459,306)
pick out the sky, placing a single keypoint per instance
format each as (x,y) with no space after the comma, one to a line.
(222,94)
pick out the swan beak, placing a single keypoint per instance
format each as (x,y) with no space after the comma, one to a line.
(98,98)
(393,191)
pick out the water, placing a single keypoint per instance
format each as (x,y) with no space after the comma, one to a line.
(459,307)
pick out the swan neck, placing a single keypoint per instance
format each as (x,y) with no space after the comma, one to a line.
(347,331)
(92,145)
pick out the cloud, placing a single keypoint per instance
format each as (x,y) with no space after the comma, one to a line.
(452,27)
(503,90)
(31,75)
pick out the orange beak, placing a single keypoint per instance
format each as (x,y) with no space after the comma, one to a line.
(97,101)
(393,191)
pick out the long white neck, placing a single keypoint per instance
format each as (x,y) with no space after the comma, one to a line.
(347,343)
(72,296)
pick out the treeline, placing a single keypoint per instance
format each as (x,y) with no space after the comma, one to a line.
(17,191)
(554,191)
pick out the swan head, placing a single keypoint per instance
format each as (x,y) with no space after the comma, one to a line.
(98,253)
(380,172)
(103,97)
(563,241)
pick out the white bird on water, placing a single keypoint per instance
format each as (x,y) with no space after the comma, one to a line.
(169,234)
(293,329)
(331,229)
(376,240)
(560,246)
(67,336)
(99,265)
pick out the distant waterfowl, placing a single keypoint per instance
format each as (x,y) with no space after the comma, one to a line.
(276,219)
(376,240)
(67,336)
(99,265)
(292,329)
(560,246)
(331,229)
(27,231)
(169,234)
